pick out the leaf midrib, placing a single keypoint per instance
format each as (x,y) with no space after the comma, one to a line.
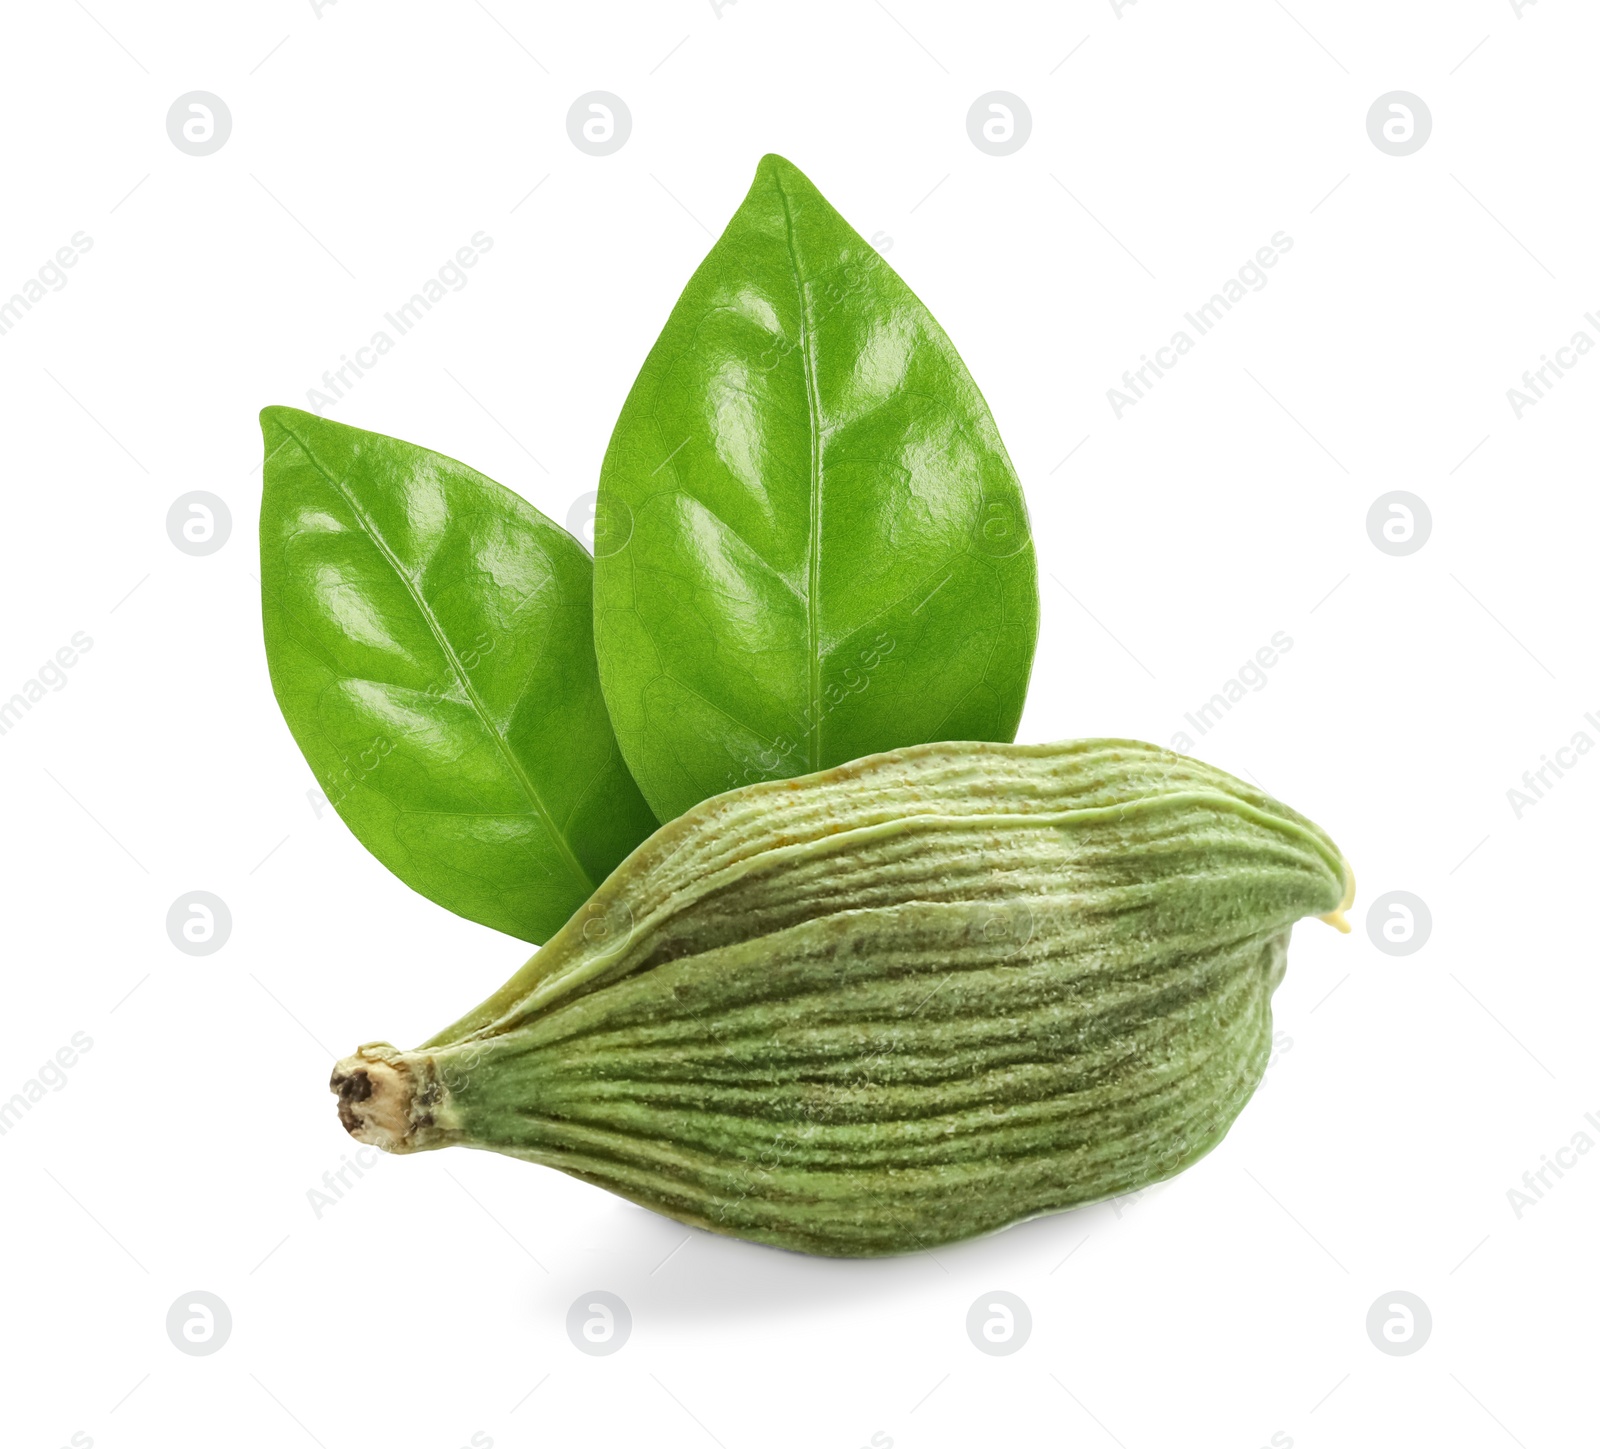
(814,540)
(447,649)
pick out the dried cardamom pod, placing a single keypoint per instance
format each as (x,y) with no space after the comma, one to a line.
(900,1002)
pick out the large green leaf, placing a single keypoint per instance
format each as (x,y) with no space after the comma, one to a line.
(811,544)
(430,643)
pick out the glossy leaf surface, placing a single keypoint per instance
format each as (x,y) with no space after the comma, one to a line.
(430,642)
(811,545)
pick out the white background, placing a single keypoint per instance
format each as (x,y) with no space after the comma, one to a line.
(428,1303)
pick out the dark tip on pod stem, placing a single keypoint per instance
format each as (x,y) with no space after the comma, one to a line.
(352,1086)
(376,1089)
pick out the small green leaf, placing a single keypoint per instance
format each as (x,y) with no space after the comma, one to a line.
(810,543)
(430,643)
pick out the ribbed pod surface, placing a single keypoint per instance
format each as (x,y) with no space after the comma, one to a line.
(897,1003)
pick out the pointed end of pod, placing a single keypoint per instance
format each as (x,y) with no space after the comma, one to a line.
(378,1100)
(1335,917)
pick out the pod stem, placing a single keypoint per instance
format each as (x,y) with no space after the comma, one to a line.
(391,1099)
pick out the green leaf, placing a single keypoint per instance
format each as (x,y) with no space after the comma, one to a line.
(811,545)
(430,643)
